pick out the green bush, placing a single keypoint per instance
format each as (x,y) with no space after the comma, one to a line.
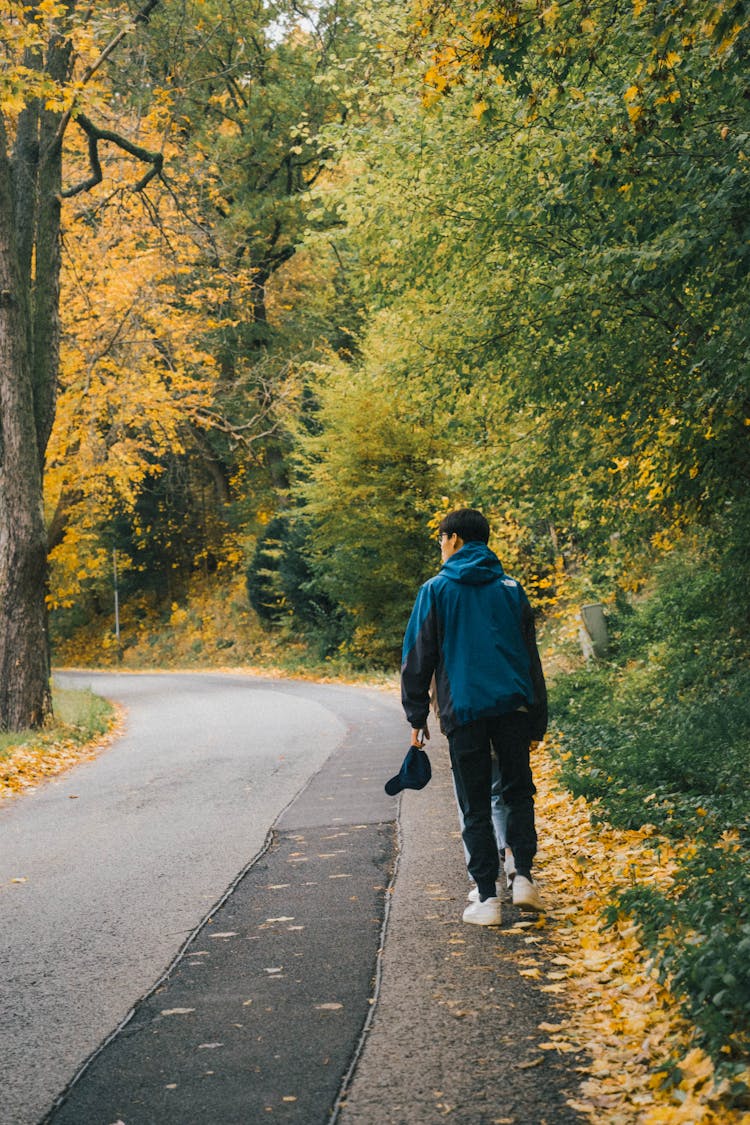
(700,933)
(659,735)
(663,729)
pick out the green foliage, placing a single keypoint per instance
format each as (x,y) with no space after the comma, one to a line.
(282,588)
(366,481)
(701,935)
(236,96)
(175,529)
(659,736)
(252,87)
(543,276)
(668,722)
(212,627)
(264,587)
(567,244)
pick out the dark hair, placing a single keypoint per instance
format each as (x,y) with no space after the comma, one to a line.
(469,524)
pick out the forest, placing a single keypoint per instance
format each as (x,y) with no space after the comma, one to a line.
(281,283)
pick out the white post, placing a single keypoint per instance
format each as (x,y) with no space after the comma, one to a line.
(594,632)
(117,606)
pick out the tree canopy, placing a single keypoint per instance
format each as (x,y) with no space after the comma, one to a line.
(353,265)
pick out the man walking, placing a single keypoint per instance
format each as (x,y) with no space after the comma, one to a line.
(473,628)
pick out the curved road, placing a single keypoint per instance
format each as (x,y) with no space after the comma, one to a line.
(107,870)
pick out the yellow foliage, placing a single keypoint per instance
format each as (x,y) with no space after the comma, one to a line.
(27,31)
(463,40)
(626,1021)
(728,41)
(134,379)
(551,14)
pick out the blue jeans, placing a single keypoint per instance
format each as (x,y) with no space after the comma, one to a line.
(473,747)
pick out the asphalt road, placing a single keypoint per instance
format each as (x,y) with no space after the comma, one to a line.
(110,871)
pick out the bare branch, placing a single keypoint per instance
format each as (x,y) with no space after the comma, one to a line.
(95,134)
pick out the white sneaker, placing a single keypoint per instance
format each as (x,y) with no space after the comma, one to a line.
(526,894)
(510,867)
(487,913)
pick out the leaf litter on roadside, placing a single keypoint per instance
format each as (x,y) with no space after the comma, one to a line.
(628,1022)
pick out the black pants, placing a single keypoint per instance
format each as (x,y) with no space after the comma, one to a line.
(471,748)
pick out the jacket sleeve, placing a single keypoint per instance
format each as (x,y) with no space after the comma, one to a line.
(538,710)
(419,660)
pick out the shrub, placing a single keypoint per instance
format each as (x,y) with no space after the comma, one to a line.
(659,735)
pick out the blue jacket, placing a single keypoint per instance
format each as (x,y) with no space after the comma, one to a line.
(472,628)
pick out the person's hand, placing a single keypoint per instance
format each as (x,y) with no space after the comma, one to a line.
(419,735)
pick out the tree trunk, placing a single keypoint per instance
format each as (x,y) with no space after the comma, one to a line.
(30,187)
(30,204)
(45,280)
(24,651)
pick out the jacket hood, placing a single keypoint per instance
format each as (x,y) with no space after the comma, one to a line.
(475,565)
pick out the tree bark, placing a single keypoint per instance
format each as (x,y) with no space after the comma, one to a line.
(30,185)
(30,206)
(25,699)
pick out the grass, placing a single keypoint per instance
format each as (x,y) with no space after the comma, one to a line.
(80,719)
